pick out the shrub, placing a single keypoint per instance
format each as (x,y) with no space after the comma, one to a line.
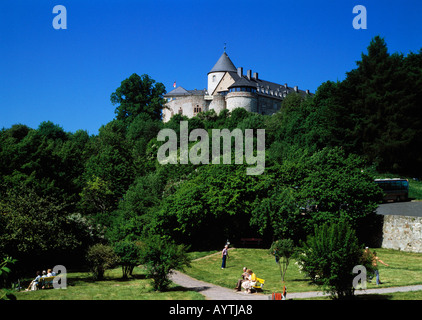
(160,257)
(328,258)
(5,294)
(129,255)
(101,257)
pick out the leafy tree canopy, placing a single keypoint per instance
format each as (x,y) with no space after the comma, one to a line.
(136,95)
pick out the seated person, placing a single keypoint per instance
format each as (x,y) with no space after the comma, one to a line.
(34,283)
(245,276)
(251,281)
(50,282)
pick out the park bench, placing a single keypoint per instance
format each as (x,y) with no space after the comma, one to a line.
(259,284)
(45,281)
(255,241)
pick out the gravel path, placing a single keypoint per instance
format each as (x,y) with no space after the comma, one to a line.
(214,292)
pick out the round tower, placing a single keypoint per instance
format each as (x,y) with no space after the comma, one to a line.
(242,94)
(223,65)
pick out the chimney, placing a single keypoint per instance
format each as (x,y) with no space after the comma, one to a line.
(296,89)
(307,91)
(240,71)
(249,74)
(285,85)
(255,75)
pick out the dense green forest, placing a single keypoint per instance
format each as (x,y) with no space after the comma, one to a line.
(62,192)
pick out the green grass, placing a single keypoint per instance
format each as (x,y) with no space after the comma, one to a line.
(405,269)
(415,189)
(80,286)
(411,295)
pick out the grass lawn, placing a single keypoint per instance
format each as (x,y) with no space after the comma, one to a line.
(80,286)
(415,189)
(405,269)
(411,295)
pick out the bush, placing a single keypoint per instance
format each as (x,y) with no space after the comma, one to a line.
(101,257)
(160,257)
(328,258)
(5,294)
(129,255)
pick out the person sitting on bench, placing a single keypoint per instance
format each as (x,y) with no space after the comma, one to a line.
(34,283)
(245,276)
(251,280)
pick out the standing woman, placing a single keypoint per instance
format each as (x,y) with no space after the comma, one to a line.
(224,256)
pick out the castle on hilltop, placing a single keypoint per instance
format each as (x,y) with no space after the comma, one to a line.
(228,88)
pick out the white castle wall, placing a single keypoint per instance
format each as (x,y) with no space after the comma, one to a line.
(218,103)
(241,99)
(186,103)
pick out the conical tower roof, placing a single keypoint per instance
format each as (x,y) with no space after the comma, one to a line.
(223,64)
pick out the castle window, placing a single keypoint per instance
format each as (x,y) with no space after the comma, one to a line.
(213,78)
(197,109)
(180,111)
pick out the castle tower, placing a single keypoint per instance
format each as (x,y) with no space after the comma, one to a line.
(223,65)
(242,94)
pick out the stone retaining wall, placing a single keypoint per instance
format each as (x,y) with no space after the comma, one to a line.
(402,233)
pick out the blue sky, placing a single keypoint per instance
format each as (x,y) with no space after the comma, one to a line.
(67,76)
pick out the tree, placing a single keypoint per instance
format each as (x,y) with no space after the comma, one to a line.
(47,159)
(329,256)
(34,227)
(129,256)
(140,132)
(384,94)
(214,202)
(313,188)
(283,250)
(136,208)
(136,95)
(160,257)
(96,197)
(111,159)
